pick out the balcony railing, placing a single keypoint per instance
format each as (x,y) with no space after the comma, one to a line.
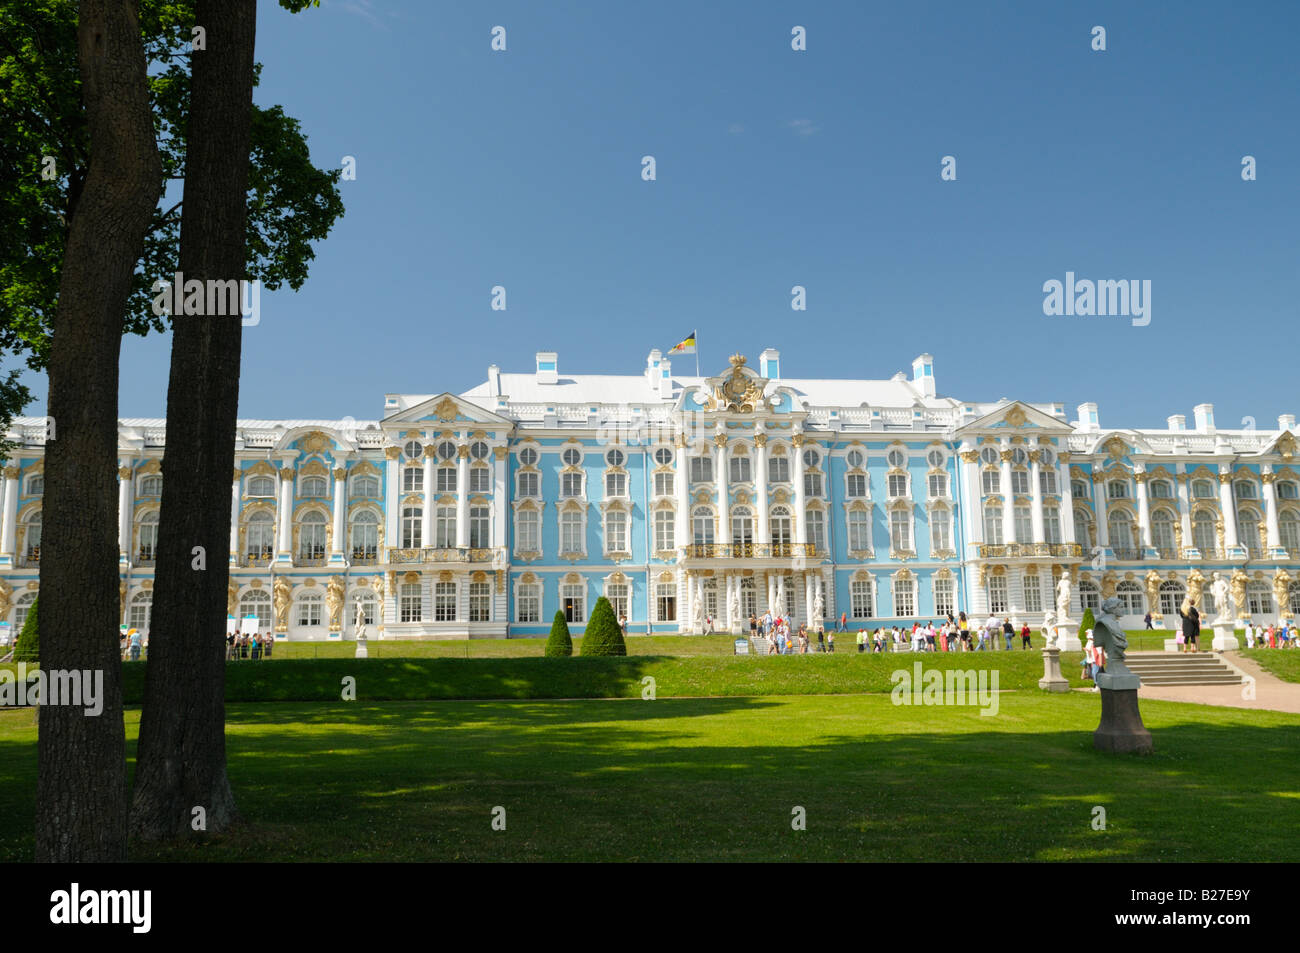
(1167,552)
(1126,552)
(1000,550)
(365,557)
(431,554)
(749,550)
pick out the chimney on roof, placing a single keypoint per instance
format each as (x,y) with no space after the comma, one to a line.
(548,363)
(769,364)
(1088,417)
(1286,422)
(1178,422)
(494,381)
(923,375)
(663,385)
(1204,418)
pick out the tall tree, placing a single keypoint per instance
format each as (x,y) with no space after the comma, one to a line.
(81,777)
(181,762)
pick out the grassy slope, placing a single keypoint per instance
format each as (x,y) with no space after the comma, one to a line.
(717,779)
(1284,663)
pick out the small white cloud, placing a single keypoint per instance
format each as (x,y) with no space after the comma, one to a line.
(735,129)
(803,127)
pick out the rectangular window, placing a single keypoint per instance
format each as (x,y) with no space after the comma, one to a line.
(663,484)
(817,530)
(665,530)
(1033,593)
(990,482)
(666,602)
(862,605)
(572,598)
(944,600)
(413,480)
(529,603)
(897,485)
(1052,524)
(938,485)
(998,594)
(617,594)
(615,532)
(615,484)
(855,486)
(900,530)
(739,469)
(1047,481)
(940,532)
(571,533)
(410,605)
(526,536)
(446,480)
(778,470)
(478,527)
(309,611)
(444,527)
(1020,482)
(480,480)
(993,524)
(529,484)
(480,602)
(570,484)
(701,469)
(904,597)
(411,528)
(812,484)
(1024,524)
(444,602)
(859,531)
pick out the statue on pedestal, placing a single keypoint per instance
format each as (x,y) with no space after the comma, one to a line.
(1063,598)
(819,609)
(1110,635)
(697,616)
(735,607)
(1049,629)
(1220,590)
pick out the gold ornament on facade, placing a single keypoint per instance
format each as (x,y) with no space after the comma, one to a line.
(1282,592)
(1116,448)
(500,453)
(1195,583)
(286,473)
(282,598)
(1015,417)
(1141,476)
(334,602)
(232,599)
(1286,445)
(392,453)
(446,409)
(969,456)
(255,584)
(1153,593)
(1225,477)
(1239,582)
(760,440)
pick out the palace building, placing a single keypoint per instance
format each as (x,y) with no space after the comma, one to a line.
(481,514)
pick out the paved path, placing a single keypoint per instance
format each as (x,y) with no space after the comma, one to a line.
(1271,692)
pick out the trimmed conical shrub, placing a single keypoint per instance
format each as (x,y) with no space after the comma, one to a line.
(28,646)
(1089,622)
(603,636)
(560,643)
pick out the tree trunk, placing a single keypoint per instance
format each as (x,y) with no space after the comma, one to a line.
(181,763)
(81,797)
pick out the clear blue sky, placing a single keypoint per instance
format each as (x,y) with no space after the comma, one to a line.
(777,168)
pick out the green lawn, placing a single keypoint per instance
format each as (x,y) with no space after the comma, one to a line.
(716,779)
(1284,663)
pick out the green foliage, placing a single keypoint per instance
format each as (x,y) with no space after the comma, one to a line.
(28,646)
(291,203)
(560,643)
(603,635)
(1089,622)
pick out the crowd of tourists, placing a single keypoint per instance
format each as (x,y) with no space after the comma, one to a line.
(134,644)
(1272,636)
(255,645)
(952,634)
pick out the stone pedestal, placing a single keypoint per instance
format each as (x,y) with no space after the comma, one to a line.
(1053,680)
(362,650)
(1067,636)
(1225,637)
(1121,730)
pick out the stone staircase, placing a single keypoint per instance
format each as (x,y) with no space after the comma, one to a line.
(1178,668)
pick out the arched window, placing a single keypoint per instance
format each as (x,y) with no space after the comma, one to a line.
(1083,530)
(1293,597)
(141,611)
(742,526)
(369,603)
(1204,535)
(702,526)
(782,532)
(151,485)
(1161,490)
(1130,594)
(314,487)
(365,535)
(309,611)
(479,525)
(1171,598)
(311,536)
(148,535)
(365,486)
(1202,490)
(412,527)
(21,608)
(616,531)
(1287,490)
(1259,598)
(1121,535)
(1089,595)
(261,486)
(257,602)
(1244,490)
(1288,525)
(571,534)
(259,537)
(1248,528)
(32,539)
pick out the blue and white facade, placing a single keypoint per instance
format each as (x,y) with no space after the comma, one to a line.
(482,514)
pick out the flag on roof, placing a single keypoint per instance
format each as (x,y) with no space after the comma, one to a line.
(687,346)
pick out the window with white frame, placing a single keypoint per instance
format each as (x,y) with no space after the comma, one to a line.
(478,450)
(739,470)
(444,602)
(310,610)
(412,525)
(1244,490)
(812,484)
(663,456)
(904,597)
(1020,482)
(616,532)
(141,611)
(256,602)
(446,450)
(32,538)
(936,458)
(1024,520)
(369,604)
(571,536)
(897,485)
(938,485)
(666,602)
(265,486)
(896,459)
(1121,530)
(573,601)
(859,531)
(571,456)
(528,456)
(945,599)
(1259,599)
(480,602)
(365,486)
(480,525)
(444,527)
(855,486)
(1162,530)
(21,608)
(528,531)
(997,594)
(149,485)
(412,449)
(854,458)
(1130,596)
(413,479)
(778,469)
(1161,490)
(1288,525)
(1089,595)
(570,485)
(1079,490)
(36,485)
(665,530)
(940,531)
(1117,490)
(816,529)
(781,526)
(1204,532)
(1287,490)
(1047,481)
(1083,530)
(862,603)
(615,483)
(528,602)
(993,523)
(900,530)
(1171,598)
(989,482)
(702,527)
(1248,527)
(314,487)
(410,603)
(989,456)
(1033,590)
(742,526)
(1051,524)
(311,536)
(480,479)
(530,484)
(664,484)
(702,469)
(149,535)
(618,595)
(445,479)
(1202,489)
(259,535)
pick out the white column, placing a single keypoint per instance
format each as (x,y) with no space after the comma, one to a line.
(1036,494)
(1184,508)
(125,503)
(9,532)
(972,505)
(762,532)
(1270,508)
(1144,511)
(1009,503)
(235,479)
(1099,500)
(284,544)
(1229,511)
(800,504)
(1067,500)
(499,497)
(426,513)
(808,598)
(682,490)
(339,514)
(462,496)
(724,498)
(771,591)
(392,506)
